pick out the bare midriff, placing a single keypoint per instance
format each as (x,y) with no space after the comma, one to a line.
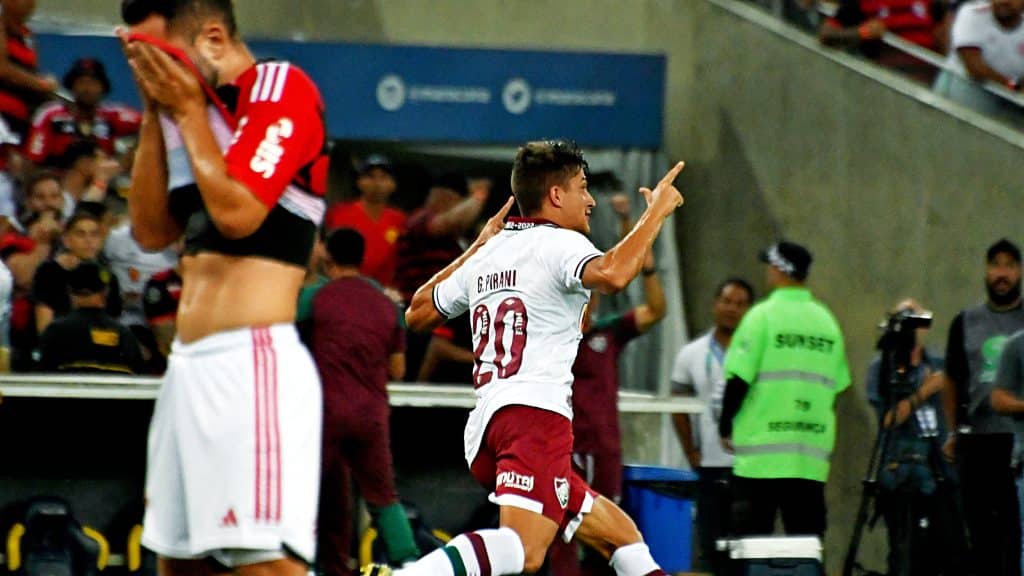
(222,293)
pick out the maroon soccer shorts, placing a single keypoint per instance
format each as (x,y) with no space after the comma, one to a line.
(526,459)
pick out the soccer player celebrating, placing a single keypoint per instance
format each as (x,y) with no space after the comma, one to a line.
(234,445)
(526,286)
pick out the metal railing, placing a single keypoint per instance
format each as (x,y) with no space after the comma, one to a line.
(898,43)
(925,55)
(401,394)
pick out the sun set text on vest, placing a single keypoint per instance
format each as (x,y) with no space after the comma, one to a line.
(812,427)
(805,341)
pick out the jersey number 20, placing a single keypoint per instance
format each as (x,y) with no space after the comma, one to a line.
(511,314)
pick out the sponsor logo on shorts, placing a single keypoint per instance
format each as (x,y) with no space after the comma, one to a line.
(229,520)
(515,481)
(562,491)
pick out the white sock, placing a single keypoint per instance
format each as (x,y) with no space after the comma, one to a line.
(502,553)
(634,560)
(434,564)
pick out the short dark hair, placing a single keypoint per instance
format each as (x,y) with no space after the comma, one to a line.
(136,11)
(540,165)
(1002,246)
(81,216)
(735,281)
(189,15)
(96,208)
(36,178)
(346,247)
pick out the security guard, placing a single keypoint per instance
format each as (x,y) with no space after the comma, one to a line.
(786,364)
(88,339)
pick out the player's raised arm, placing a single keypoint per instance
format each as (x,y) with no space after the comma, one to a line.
(423,314)
(613,271)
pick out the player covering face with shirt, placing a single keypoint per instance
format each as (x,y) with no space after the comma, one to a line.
(228,155)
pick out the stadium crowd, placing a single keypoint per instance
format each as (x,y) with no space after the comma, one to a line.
(979,40)
(65,163)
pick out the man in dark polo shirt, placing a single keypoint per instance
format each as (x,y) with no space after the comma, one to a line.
(87,339)
(358,342)
(597,446)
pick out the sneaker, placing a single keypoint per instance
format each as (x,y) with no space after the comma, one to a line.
(375,570)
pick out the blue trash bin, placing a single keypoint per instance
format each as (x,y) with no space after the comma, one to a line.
(660,502)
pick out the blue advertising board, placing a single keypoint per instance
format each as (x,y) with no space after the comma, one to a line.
(429,94)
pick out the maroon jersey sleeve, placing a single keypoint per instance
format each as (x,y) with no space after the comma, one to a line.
(398,337)
(280,130)
(625,328)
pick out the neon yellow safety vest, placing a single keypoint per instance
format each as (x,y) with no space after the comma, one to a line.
(790,350)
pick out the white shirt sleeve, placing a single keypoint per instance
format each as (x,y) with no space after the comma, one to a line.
(451,295)
(969,27)
(682,379)
(179,167)
(568,255)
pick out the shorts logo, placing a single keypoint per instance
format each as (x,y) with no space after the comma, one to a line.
(562,491)
(515,481)
(229,519)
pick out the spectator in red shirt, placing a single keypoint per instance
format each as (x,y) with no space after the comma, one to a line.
(380,225)
(22,88)
(597,448)
(59,124)
(861,24)
(358,342)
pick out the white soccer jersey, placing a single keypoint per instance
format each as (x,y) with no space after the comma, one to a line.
(133,267)
(524,292)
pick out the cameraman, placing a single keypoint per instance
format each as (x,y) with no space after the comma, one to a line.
(907,476)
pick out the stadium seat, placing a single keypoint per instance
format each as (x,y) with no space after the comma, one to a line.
(139,560)
(372,549)
(49,541)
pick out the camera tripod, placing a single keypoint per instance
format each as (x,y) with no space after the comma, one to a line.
(895,383)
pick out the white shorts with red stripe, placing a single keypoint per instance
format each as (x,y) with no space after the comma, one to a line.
(234,447)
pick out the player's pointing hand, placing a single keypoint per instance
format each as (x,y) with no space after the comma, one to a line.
(496,223)
(665,197)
